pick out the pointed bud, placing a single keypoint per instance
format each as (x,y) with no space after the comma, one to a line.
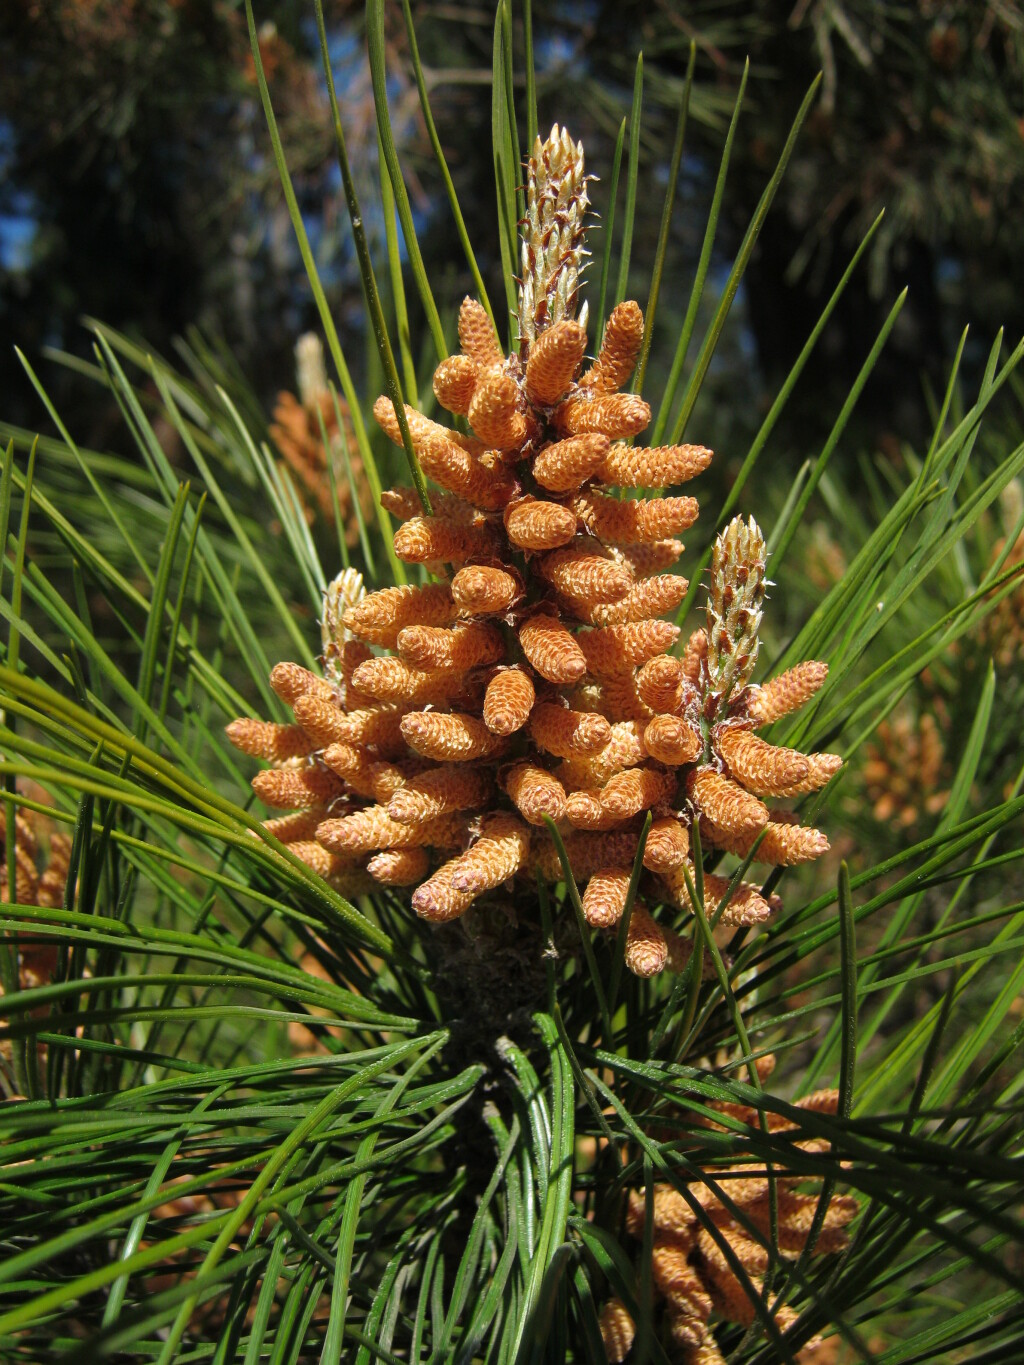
(734,607)
(552,244)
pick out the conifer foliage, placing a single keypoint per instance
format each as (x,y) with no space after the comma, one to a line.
(454,1043)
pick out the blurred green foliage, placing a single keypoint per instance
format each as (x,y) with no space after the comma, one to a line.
(137,185)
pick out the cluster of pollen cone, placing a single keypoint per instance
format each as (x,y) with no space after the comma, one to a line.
(697,1243)
(535,680)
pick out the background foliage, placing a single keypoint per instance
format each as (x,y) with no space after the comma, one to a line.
(136,185)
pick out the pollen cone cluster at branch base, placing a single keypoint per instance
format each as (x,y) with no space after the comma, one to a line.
(534,680)
(706,1227)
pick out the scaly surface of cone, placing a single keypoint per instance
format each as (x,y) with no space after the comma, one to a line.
(552,244)
(734,607)
(534,679)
